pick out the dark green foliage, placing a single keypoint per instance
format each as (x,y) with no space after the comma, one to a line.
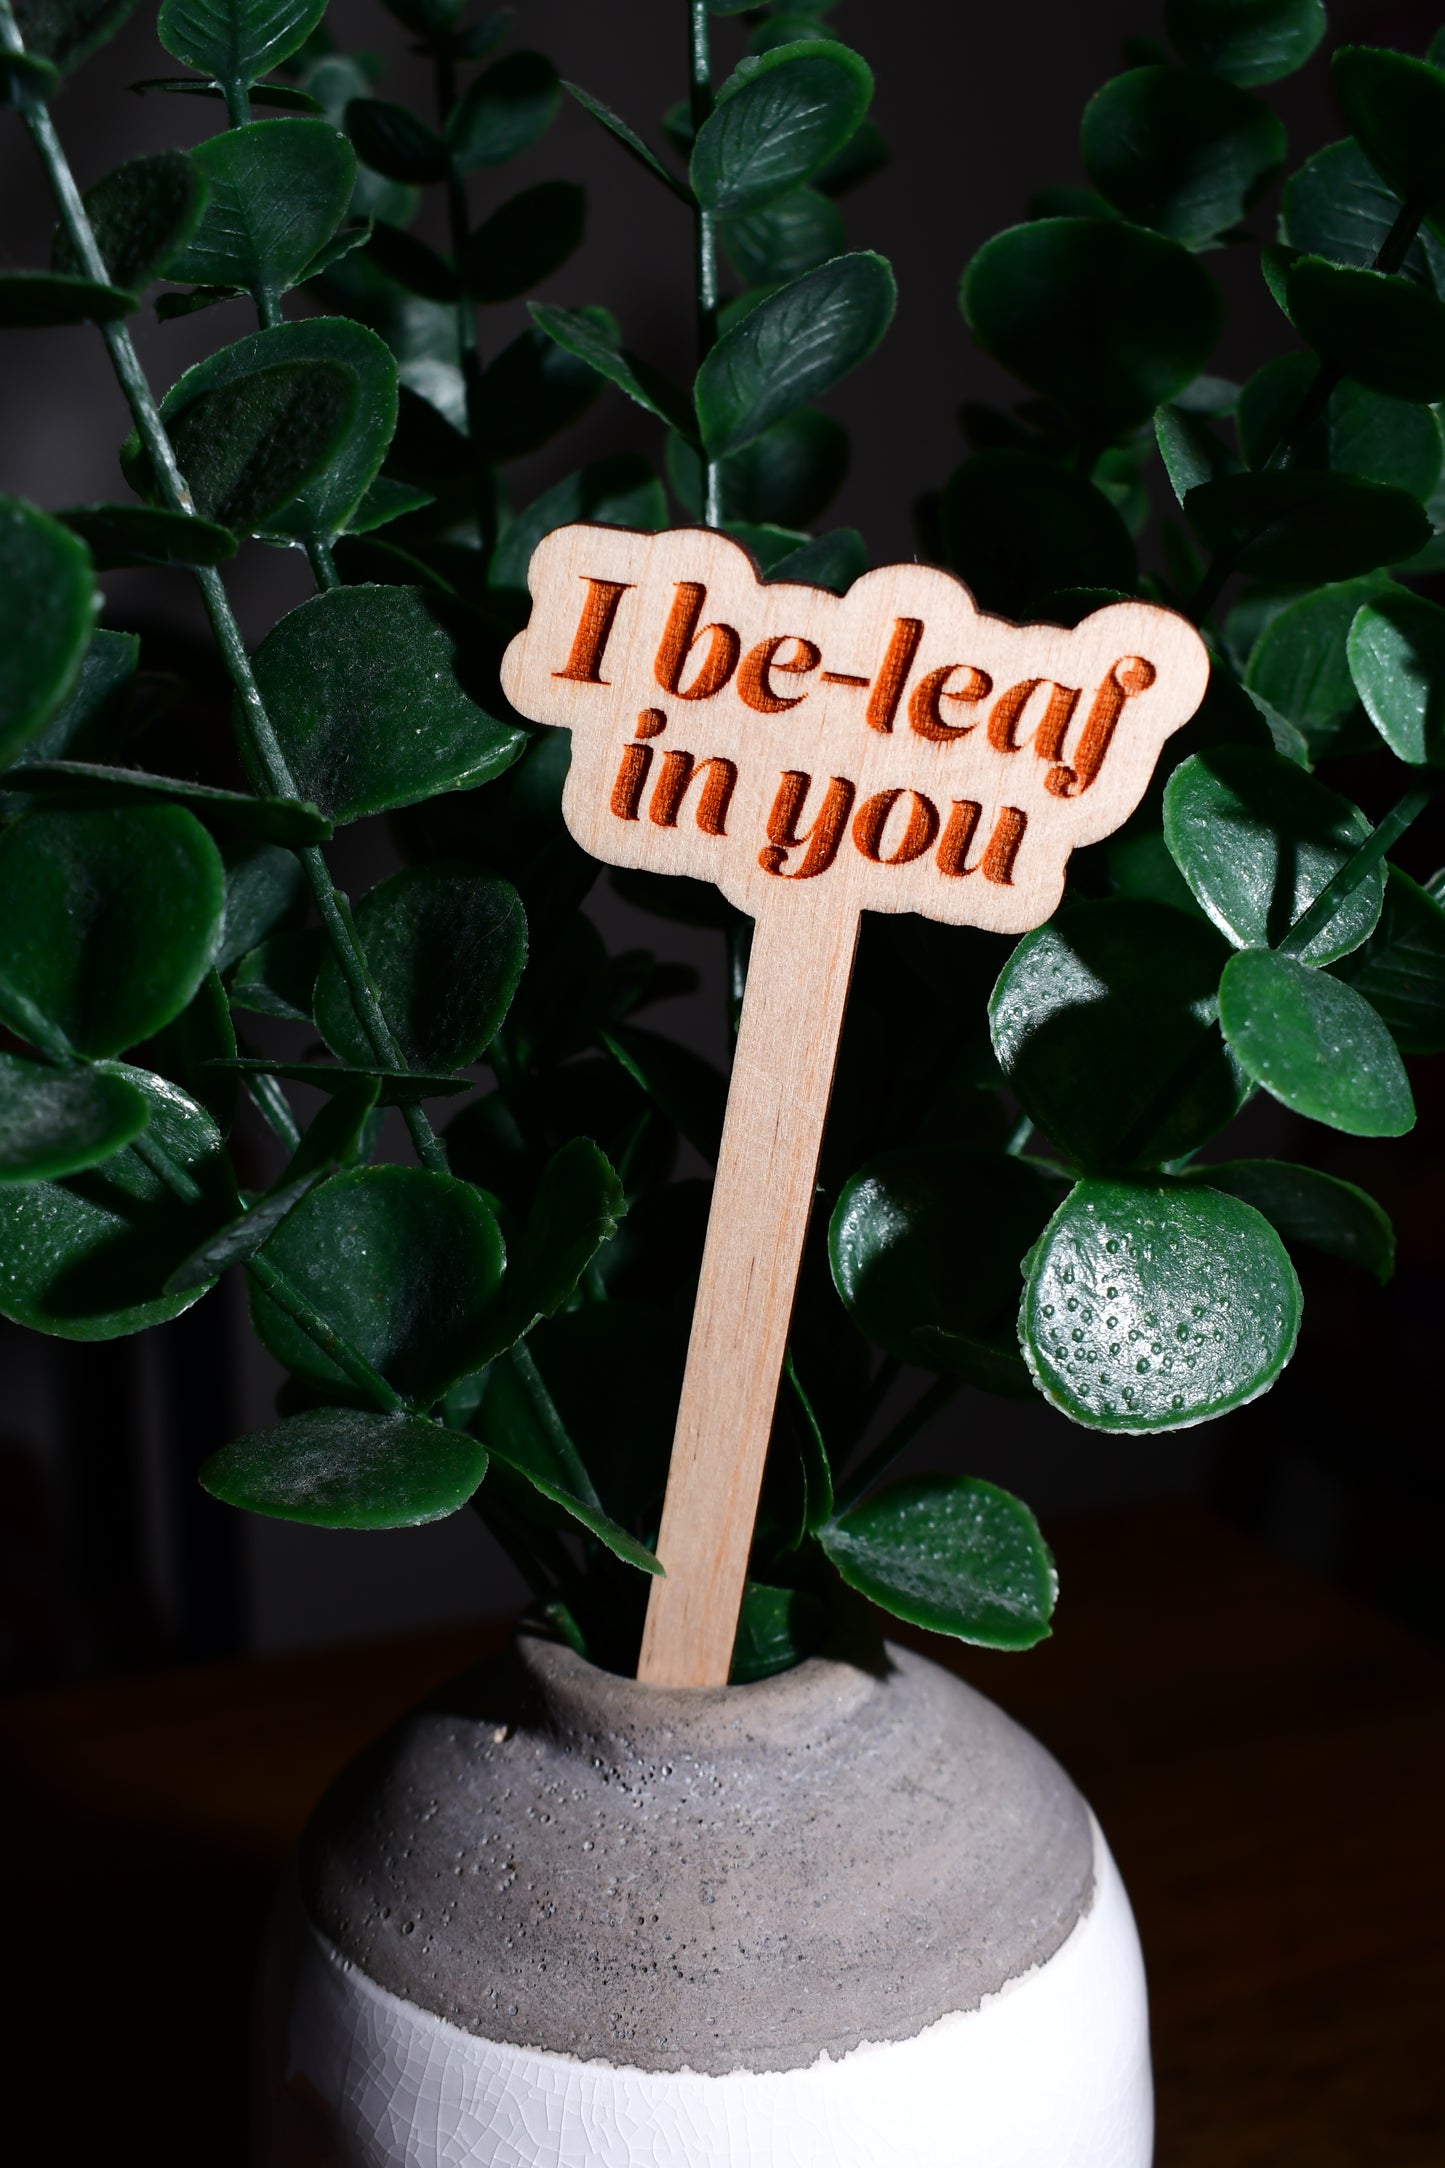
(523,241)
(142,214)
(1395,107)
(1337,206)
(47,609)
(130,534)
(1400,970)
(58,1121)
(236,40)
(1360,432)
(1247,41)
(1385,332)
(1018,529)
(446,949)
(346,1468)
(1315,1044)
(394,143)
(779,117)
(30,300)
(1306,527)
(502,111)
(276,193)
(1396,652)
(1303,1205)
(69,31)
(1183,152)
(794,346)
(951,1553)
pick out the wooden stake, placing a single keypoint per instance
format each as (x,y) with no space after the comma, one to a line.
(787,1050)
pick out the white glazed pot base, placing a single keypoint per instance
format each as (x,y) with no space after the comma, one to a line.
(1052,2072)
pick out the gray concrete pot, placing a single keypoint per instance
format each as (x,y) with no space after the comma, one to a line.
(849,1917)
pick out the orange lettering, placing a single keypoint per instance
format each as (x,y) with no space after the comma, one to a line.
(680,636)
(1130,675)
(997,862)
(893,675)
(924,711)
(1008,712)
(871,819)
(754,683)
(677,771)
(822,839)
(594,630)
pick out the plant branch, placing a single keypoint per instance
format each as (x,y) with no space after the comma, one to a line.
(888,1448)
(704,239)
(1356,869)
(530,1378)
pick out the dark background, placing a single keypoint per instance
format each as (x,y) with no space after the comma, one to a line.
(112,1559)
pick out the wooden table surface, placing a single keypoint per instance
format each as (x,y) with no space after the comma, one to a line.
(1265,1756)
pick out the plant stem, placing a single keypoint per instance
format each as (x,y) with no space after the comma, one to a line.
(704,239)
(530,1378)
(1356,869)
(288,1297)
(323,564)
(907,1427)
(468,350)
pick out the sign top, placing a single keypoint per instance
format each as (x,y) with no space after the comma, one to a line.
(893,749)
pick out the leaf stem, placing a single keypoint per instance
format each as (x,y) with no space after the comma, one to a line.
(287,1296)
(530,1378)
(1356,869)
(704,238)
(323,564)
(888,1448)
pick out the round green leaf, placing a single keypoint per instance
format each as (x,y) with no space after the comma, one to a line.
(1395,107)
(523,241)
(1384,331)
(401,1263)
(445,950)
(1315,1043)
(92,717)
(1153,1306)
(31,300)
(1396,650)
(953,1554)
(278,190)
(394,143)
(619,492)
(142,214)
(1249,41)
(794,346)
(69,31)
(1361,432)
(1337,206)
(87,1257)
(503,111)
(1098,979)
(1289,525)
(1299,663)
(777,1628)
(1303,1205)
(1257,840)
(1018,529)
(925,1245)
(236,40)
(348,1468)
(1183,152)
(371,692)
(782,240)
(779,117)
(531,392)
(58,1121)
(143,534)
(1044,299)
(1401,968)
(265,889)
(111,920)
(47,611)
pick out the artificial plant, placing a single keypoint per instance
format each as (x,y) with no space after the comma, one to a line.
(1014,1197)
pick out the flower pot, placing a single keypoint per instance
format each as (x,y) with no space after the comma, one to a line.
(849,1916)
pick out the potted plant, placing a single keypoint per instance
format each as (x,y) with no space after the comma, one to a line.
(839,1904)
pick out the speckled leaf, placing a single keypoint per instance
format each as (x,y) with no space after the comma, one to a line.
(953,1554)
(374,694)
(1396,651)
(69,31)
(445,948)
(1257,840)
(1315,1044)
(1401,968)
(47,610)
(1152,1306)
(348,1468)
(58,1121)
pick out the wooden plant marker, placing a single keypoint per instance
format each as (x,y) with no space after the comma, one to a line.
(815,757)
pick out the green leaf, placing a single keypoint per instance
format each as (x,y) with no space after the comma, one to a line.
(1291,525)
(1400,970)
(445,949)
(503,111)
(1300,666)
(519,1439)
(784,477)
(1303,1205)
(278,190)
(394,143)
(779,117)
(532,391)
(1153,1306)
(87,1257)
(1360,432)
(863,155)
(59,1121)
(523,241)
(265,888)
(592,336)
(1395,107)
(1190,450)
(1386,332)
(1315,1044)
(689,1091)
(953,1554)
(31,300)
(1043,299)
(1101,977)
(1183,152)
(777,1629)
(1337,206)
(1018,528)
(1396,650)
(92,715)
(1257,840)
(834,560)
(85,784)
(69,31)
(111,920)
(627,136)
(136,534)
(578,1206)
(908,1279)
(371,693)
(423,1259)
(565,996)
(142,214)
(284,431)
(794,346)
(278,976)
(284,95)
(395,1088)
(1248,41)
(619,492)
(348,1468)
(236,40)
(191,1048)
(783,239)
(47,610)
(385,501)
